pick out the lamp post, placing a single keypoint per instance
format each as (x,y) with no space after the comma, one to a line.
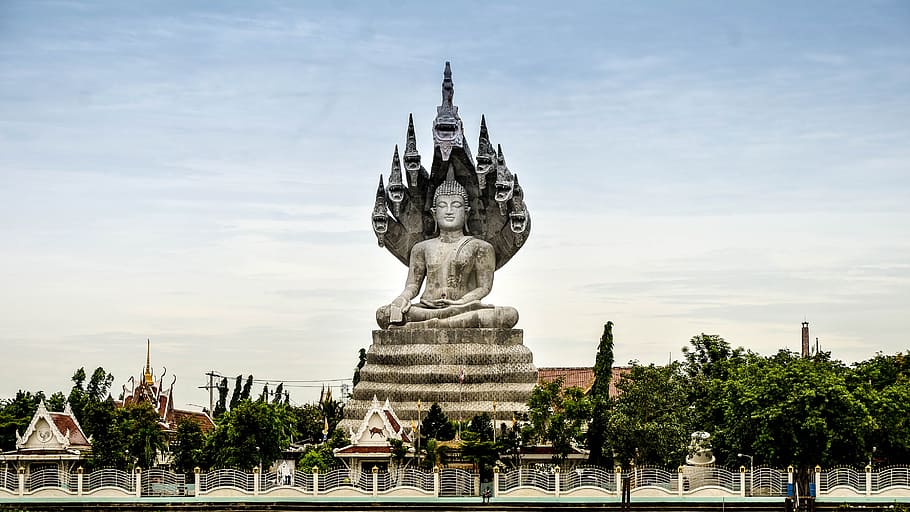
(494,421)
(418,432)
(751,469)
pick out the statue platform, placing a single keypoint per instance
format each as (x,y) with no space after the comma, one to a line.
(407,365)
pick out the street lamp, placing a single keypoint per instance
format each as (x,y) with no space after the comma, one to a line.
(418,432)
(751,474)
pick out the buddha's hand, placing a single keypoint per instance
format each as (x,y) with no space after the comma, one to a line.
(402,303)
(454,302)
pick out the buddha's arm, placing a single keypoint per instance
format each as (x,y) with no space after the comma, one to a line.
(484,265)
(417,271)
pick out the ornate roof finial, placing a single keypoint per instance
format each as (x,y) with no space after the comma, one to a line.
(148,362)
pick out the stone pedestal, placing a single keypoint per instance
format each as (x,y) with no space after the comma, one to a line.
(406,365)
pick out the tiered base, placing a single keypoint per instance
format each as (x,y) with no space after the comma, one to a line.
(407,365)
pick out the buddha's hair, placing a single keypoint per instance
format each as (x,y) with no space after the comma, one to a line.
(450,187)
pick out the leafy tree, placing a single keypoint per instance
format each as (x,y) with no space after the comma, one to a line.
(138,425)
(188,446)
(235,396)
(279,394)
(56,402)
(883,385)
(361,361)
(601,403)
(15,415)
(436,425)
(85,399)
(557,416)
(437,454)
(247,388)
(307,421)
(651,419)
(792,410)
(251,433)
(109,443)
(220,407)
(478,445)
(332,412)
(264,396)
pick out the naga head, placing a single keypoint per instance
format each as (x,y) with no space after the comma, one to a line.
(411,156)
(380,213)
(505,182)
(486,155)
(396,187)
(518,217)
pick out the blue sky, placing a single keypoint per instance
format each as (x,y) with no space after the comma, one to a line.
(202,175)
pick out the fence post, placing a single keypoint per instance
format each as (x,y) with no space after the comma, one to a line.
(680,480)
(818,480)
(197,480)
(375,480)
(436,480)
(742,481)
(495,481)
(868,479)
(617,476)
(21,481)
(790,481)
(556,481)
(256,481)
(138,482)
(315,480)
(79,472)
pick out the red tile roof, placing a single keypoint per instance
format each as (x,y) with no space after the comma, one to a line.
(64,423)
(347,450)
(582,377)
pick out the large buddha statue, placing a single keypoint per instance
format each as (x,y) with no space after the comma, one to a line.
(457,270)
(453,227)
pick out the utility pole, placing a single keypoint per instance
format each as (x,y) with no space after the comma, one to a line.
(211,387)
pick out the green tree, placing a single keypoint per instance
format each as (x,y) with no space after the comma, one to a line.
(220,405)
(436,425)
(109,443)
(786,409)
(601,402)
(883,385)
(557,417)
(651,419)
(235,396)
(144,438)
(56,402)
(188,446)
(307,421)
(279,394)
(251,433)
(15,415)
(247,388)
(361,361)
(478,445)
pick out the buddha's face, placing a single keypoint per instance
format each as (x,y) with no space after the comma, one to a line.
(450,211)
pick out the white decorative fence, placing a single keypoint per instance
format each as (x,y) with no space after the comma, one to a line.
(536,481)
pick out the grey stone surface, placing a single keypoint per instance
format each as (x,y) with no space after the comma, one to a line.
(406,365)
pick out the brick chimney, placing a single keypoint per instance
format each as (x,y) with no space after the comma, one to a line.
(805,339)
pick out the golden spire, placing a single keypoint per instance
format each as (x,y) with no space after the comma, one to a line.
(148,362)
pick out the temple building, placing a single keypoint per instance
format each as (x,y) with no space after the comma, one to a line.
(53,440)
(161,396)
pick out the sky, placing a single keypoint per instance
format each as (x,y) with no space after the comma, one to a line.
(202,175)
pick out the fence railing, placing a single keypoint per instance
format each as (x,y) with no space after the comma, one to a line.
(539,481)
